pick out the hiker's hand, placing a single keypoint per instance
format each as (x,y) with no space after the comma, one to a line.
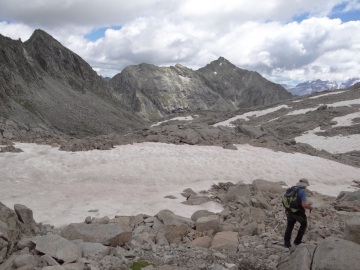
(311,208)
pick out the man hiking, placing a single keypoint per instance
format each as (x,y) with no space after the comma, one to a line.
(295,204)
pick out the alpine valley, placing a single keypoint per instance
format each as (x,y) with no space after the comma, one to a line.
(169,167)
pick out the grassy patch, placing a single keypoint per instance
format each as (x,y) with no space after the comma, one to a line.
(138,265)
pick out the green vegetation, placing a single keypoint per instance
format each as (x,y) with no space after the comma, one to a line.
(138,265)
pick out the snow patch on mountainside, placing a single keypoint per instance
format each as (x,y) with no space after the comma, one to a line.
(247,115)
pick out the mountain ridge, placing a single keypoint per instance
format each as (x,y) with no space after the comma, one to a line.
(43,82)
(164,90)
(62,93)
(315,86)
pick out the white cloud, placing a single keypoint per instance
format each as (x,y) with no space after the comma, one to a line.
(15,30)
(255,35)
(352,5)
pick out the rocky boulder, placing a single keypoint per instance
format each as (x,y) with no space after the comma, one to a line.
(200,213)
(57,247)
(352,230)
(25,216)
(209,223)
(348,201)
(268,186)
(336,254)
(300,258)
(169,218)
(112,234)
(225,240)
(13,226)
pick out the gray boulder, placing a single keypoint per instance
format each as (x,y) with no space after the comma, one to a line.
(240,193)
(225,240)
(300,258)
(209,223)
(25,216)
(174,233)
(57,247)
(25,259)
(260,202)
(261,185)
(349,196)
(3,249)
(47,260)
(252,132)
(92,249)
(352,230)
(336,254)
(112,234)
(204,242)
(12,229)
(200,213)
(111,262)
(348,201)
(169,218)
(196,200)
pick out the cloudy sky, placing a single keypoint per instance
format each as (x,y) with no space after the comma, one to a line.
(287,41)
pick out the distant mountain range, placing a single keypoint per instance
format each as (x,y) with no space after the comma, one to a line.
(310,87)
(42,82)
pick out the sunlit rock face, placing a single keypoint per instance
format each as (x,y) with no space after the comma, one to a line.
(157,91)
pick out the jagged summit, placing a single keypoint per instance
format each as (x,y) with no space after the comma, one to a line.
(42,36)
(220,63)
(43,82)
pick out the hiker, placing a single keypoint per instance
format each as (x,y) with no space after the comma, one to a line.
(295,211)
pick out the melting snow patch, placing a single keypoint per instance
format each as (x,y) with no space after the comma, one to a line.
(328,94)
(347,103)
(247,115)
(180,118)
(346,120)
(334,144)
(302,111)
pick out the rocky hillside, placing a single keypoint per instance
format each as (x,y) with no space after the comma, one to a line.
(158,91)
(247,234)
(43,84)
(241,88)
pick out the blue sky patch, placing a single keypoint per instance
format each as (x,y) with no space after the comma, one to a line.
(300,17)
(338,12)
(97,33)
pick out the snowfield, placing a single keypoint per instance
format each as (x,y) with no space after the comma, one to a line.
(62,187)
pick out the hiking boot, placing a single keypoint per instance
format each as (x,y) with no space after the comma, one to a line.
(296,243)
(287,245)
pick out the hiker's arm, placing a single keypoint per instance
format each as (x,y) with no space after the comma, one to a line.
(305,205)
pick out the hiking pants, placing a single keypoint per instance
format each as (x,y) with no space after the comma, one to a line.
(292,218)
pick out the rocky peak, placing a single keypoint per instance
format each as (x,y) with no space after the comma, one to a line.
(221,64)
(15,69)
(60,62)
(242,87)
(40,37)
